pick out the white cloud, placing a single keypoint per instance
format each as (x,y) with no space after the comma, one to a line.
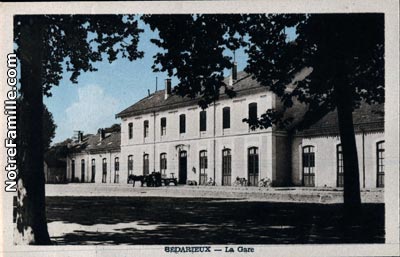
(93,109)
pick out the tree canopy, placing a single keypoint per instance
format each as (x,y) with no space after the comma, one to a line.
(78,41)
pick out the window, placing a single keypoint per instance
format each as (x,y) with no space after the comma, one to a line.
(93,170)
(130,130)
(253,166)
(145,164)
(146,128)
(226,167)
(82,170)
(163,126)
(203,121)
(203,167)
(72,170)
(116,170)
(130,165)
(182,123)
(226,117)
(339,166)
(380,157)
(163,163)
(104,178)
(252,112)
(308,166)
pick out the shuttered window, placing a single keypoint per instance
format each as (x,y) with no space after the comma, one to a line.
(130,130)
(163,126)
(182,123)
(146,128)
(203,121)
(226,117)
(253,112)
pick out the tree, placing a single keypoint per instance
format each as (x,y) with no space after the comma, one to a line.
(44,44)
(345,52)
(49,128)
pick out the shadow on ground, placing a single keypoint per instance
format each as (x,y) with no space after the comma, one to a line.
(208,221)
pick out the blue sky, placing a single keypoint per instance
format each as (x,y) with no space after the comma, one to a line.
(98,96)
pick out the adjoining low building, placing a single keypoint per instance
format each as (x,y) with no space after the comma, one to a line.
(95,158)
(170,134)
(55,164)
(317,158)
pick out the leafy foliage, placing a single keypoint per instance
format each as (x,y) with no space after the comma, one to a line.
(49,128)
(328,43)
(81,40)
(193,51)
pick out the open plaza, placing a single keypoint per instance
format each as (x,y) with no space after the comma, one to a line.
(121,214)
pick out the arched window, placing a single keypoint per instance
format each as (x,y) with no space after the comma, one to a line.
(308,166)
(93,170)
(182,123)
(380,166)
(163,163)
(339,166)
(203,167)
(72,170)
(104,177)
(130,165)
(226,117)
(116,170)
(82,170)
(226,167)
(146,164)
(253,166)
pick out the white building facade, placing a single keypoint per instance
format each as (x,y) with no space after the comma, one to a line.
(170,134)
(173,135)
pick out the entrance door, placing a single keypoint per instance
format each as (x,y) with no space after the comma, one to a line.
(308,166)
(182,167)
(253,166)
(226,167)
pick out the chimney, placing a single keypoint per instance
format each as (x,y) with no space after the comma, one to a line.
(167,88)
(234,71)
(80,136)
(102,134)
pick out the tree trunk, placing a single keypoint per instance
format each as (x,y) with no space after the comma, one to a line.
(31,210)
(352,198)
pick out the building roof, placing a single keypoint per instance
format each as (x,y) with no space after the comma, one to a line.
(93,144)
(244,85)
(367,118)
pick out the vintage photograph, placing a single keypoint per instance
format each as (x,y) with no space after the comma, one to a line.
(194,131)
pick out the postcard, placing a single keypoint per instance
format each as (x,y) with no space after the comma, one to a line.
(201,128)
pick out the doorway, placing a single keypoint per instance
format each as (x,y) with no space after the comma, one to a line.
(182,167)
